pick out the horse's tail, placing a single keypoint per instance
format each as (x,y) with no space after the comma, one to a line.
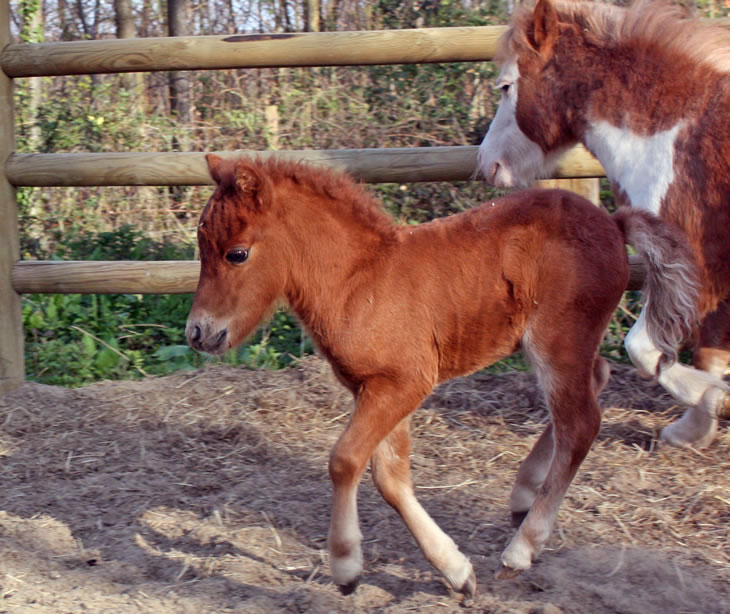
(672,284)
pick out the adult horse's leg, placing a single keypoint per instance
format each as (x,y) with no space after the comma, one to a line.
(381,405)
(392,476)
(534,469)
(706,393)
(697,427)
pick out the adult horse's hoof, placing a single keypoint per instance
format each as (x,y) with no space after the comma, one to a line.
(349,588)
(698,425)
(507,573)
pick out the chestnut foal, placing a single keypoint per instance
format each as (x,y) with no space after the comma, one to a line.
(398,309)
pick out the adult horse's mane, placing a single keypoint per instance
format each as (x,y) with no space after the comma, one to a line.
(648,24)
(352,197)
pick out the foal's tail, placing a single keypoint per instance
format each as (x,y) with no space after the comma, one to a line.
(671,288)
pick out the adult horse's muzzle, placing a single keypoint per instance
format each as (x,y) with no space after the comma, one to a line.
(205,338)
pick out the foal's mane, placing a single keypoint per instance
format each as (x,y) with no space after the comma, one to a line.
(346,195)
(646,23)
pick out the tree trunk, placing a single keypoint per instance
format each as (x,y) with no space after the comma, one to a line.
(32,32)
(178,23)
(311,9)
(126,28)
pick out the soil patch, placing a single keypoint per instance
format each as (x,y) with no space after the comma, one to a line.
(207,492)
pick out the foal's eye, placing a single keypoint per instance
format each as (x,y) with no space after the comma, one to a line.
(237,255)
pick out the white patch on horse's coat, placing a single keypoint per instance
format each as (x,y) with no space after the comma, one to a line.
(507,158)
(643,166)
(540,366)
(690,386)
(345,570)
(523,495)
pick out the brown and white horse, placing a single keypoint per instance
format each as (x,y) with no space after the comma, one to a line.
(647,91)
(398,309)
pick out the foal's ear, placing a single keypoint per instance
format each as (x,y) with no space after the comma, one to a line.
(251,184)
(214,163)
(546,27)
(248,180)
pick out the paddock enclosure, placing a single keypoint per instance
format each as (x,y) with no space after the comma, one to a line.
(426,45)
(207,491)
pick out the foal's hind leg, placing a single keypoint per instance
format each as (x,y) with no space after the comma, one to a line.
(576,419)
(534,468)
(391,474)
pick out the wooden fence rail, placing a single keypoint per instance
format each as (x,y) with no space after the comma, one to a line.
(409,46)
(412,46)
(139,277)
(400,165)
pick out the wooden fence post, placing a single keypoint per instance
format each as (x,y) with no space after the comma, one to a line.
(589,188)
(12,365)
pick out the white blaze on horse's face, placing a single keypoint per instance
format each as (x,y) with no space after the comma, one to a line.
(507,158)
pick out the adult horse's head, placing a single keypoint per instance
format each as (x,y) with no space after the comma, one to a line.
(241,273)
(532,126)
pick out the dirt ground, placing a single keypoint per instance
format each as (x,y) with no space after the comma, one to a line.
(207,492)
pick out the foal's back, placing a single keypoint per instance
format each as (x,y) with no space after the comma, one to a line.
(476,280)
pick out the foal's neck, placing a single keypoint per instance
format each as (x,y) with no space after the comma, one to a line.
(335,245)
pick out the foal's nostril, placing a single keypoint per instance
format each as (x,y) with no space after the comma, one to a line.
(217,341)
(196,334)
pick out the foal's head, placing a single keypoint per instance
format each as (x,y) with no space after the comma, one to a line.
(241,268)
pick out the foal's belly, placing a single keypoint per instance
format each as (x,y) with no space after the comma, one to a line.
(483,342)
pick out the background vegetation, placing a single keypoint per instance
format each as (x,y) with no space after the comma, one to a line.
(75,339)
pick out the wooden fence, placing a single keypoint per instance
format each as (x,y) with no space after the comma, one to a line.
(426,45)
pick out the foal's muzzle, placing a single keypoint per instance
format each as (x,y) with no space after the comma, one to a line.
(204,338)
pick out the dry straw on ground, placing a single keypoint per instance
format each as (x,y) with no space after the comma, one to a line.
(207,492)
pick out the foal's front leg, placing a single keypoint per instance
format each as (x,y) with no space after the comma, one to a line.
(381,405)
(392,476)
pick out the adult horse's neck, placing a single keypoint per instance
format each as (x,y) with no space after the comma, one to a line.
(632,112)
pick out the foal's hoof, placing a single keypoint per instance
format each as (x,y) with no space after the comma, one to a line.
(507,573)
(517,518)
(349,588)
(469,588)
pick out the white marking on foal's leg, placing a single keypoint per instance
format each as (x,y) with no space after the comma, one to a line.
(344,541)
(532,473)
(704,392)
(521,550)
(440,550)
(391,473)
